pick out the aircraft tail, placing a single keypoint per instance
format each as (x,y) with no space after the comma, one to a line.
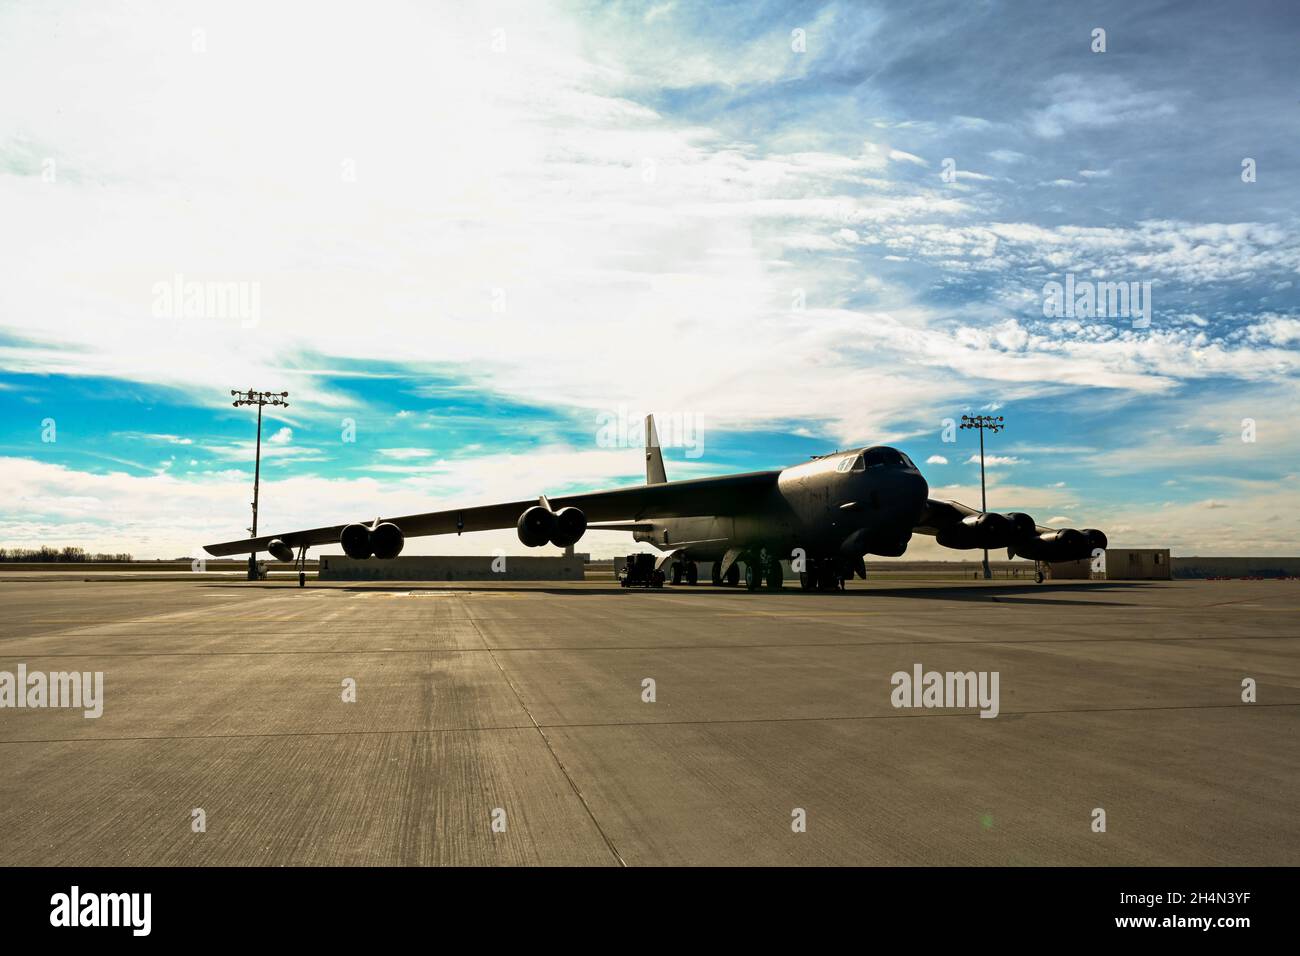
(654,456)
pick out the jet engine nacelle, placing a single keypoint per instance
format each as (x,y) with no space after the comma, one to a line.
(1097,540)
(988,530)
(387,540)
(384,541)
(570,525)
(279,550)
(1023,525)
(355,540)
(1064,545)
(537,525)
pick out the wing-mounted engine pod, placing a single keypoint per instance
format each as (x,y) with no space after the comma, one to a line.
(537,525)
(1064,545)
(387,540)
(570,525)
(355,540)
(279,550)
(1023,526)
(988,530)
(992,530)
(1097,540)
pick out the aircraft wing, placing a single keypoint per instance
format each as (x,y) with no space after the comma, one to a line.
(960,526)
(674,499)
(941,513)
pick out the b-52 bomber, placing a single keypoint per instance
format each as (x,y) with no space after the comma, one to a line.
(829,512)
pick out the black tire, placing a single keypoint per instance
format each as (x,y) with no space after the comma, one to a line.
(657,579)
(715,574)
(775,576)
(1038,577)
(805,581)
(692,573)
(302,579)
(753,576)
(677,573)
(733,575)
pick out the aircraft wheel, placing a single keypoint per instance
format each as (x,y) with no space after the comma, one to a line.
(715,574)
(775,577)
(677,573)
(753,576)
(302,579)
(1038,577)
(657,579)
(692,573)
(733,575)
(805,581)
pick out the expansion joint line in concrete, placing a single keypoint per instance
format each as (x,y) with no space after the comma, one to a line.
(573,784)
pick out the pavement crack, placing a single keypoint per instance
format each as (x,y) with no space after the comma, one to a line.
(573,784)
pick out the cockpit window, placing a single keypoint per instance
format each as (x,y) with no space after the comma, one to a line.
(873,457)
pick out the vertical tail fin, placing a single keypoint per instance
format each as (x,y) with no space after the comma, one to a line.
(654,458)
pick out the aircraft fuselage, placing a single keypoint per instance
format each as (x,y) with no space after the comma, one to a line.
(842,505)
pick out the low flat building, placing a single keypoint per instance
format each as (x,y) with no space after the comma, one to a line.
(1121,564)
(453,568)
(1237,567)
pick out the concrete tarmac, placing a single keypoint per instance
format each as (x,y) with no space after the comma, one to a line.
(523,702)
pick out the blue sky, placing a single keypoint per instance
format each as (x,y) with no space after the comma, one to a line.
(477,233)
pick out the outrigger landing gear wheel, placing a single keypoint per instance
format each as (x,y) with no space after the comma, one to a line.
(753,576)
(692,573)
(302,579)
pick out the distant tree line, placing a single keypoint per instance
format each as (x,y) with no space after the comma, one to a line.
(50,555)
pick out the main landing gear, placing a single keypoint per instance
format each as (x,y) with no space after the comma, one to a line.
(822,575)
(688,569)
(763,567)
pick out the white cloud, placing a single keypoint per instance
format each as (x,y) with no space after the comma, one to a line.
(936,460)
(404,454)
(1093,102)
(897,155)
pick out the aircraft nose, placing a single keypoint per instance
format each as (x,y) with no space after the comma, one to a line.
(910,492)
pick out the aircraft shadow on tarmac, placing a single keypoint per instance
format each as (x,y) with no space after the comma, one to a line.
(1012,594)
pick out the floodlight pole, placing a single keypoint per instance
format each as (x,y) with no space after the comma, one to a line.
(994,425)
(260,399)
